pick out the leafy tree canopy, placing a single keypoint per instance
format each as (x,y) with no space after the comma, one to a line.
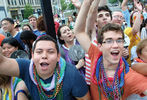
(28,11)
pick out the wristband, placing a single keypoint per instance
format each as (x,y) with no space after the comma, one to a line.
(20,91)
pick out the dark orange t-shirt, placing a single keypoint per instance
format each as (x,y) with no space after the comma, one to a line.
(1,38)
(135,83)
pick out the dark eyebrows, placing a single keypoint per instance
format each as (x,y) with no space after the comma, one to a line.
(108,39)
(112,39)
(120,38)
(38,49)
(42,49)
(107,13)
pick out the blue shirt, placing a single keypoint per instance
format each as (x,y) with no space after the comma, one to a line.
(74,84)
(17,37)
(38,33)
(126,15)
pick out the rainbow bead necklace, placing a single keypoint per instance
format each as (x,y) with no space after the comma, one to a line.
(42,94)
(110,91)
(55,87)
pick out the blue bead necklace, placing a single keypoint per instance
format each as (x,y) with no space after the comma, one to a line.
(111,91)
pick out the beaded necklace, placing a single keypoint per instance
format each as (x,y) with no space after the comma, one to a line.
(139,60)
(110,91)
(9,92)
(55,87)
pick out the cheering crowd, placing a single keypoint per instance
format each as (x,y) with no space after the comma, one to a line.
(98,54)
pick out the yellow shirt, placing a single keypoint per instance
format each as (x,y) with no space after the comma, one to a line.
(134,40)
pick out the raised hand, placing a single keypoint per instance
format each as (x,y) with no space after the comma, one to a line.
(76,3)
(138,5)
(80,64)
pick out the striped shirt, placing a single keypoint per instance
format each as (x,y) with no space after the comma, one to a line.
(88,65)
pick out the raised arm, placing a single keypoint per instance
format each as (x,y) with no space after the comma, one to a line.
(79,30)
(76,3)
(91,19)
(138,21)
(140,68)
(102,2)
(8,66)
(20,91)
(138,5)
(124,5)
(126,12)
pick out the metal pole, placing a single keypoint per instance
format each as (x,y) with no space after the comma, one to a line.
(48,17)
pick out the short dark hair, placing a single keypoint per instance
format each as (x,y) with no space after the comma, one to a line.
(59,34)
(105,8)
(5,81)
(106,28)
(28,26)
(74,13)
(8,19)
(47,38)
(12,41)
(28,35)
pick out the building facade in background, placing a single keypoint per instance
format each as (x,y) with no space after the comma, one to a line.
(2,10)
(56,6)
(15,8)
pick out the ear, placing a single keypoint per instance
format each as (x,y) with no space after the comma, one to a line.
(16,48)
(61,38)
(32,55)
(58,57)
(12,25)
(99,46)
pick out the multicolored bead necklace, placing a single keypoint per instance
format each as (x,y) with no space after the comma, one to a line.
(55,87)
(110,91)
(9,92)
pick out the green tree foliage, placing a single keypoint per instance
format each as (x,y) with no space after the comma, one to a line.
(66,6)
(63,5)
(71,6)
(28,11)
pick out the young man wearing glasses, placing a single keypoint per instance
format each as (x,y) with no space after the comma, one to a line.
(111,78)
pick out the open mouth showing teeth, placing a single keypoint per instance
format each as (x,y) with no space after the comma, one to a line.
(44,64)
(115,53)
(69,36)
